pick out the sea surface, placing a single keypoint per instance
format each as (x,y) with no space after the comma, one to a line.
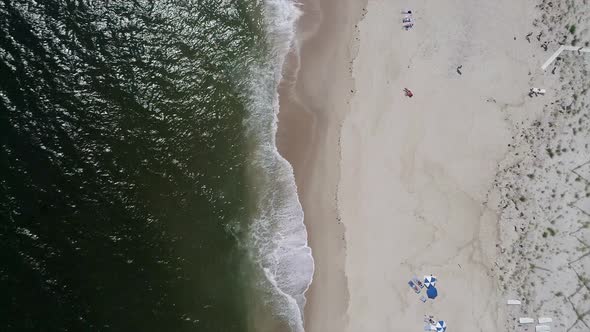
(140,184)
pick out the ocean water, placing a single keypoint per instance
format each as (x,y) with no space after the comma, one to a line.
(140,184)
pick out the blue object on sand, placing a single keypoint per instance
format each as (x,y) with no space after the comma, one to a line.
(429,281)
(431,292)
(441,326)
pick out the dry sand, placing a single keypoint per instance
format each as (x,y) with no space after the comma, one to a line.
(416,172)
(394,187)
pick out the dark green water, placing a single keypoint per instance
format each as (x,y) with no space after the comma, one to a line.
(126,194)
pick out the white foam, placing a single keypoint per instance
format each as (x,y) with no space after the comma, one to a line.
(278,232)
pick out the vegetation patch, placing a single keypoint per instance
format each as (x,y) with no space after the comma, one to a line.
(572,29)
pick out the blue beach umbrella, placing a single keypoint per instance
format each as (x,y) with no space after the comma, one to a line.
(431,292)
(429,281)
(441,326)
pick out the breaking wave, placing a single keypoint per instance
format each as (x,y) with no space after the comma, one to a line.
(277,234)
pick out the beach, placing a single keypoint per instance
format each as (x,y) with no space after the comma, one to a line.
(308,136)
(394,187)
(295,165)
(415,202)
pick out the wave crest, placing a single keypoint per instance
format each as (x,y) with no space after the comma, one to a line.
(278,234)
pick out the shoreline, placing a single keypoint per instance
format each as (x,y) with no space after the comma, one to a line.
(317,75)
(393,187)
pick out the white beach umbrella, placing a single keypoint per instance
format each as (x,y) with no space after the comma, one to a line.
(429,281)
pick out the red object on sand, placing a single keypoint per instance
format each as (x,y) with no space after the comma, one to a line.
(408,92)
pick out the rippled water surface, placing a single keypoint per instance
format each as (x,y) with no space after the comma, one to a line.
(123,191)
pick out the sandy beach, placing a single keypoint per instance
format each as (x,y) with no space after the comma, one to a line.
(314,99)
(394,187)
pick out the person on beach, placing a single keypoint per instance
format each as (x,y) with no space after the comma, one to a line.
(407,21)
(429,319)
(408,92)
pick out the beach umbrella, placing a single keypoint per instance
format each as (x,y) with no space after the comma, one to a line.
(441,326)
(431,292)
(429,281)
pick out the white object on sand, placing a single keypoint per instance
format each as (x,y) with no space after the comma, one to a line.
(526,320)
(542,328)
(561,49)
(539,91)
(513,302)
(543,320)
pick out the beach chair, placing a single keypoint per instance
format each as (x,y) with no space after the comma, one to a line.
(429,328)
(516,302)
(418,282)
(414,287)
(545,320)
(542,328)
(526,320)
(538,91)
